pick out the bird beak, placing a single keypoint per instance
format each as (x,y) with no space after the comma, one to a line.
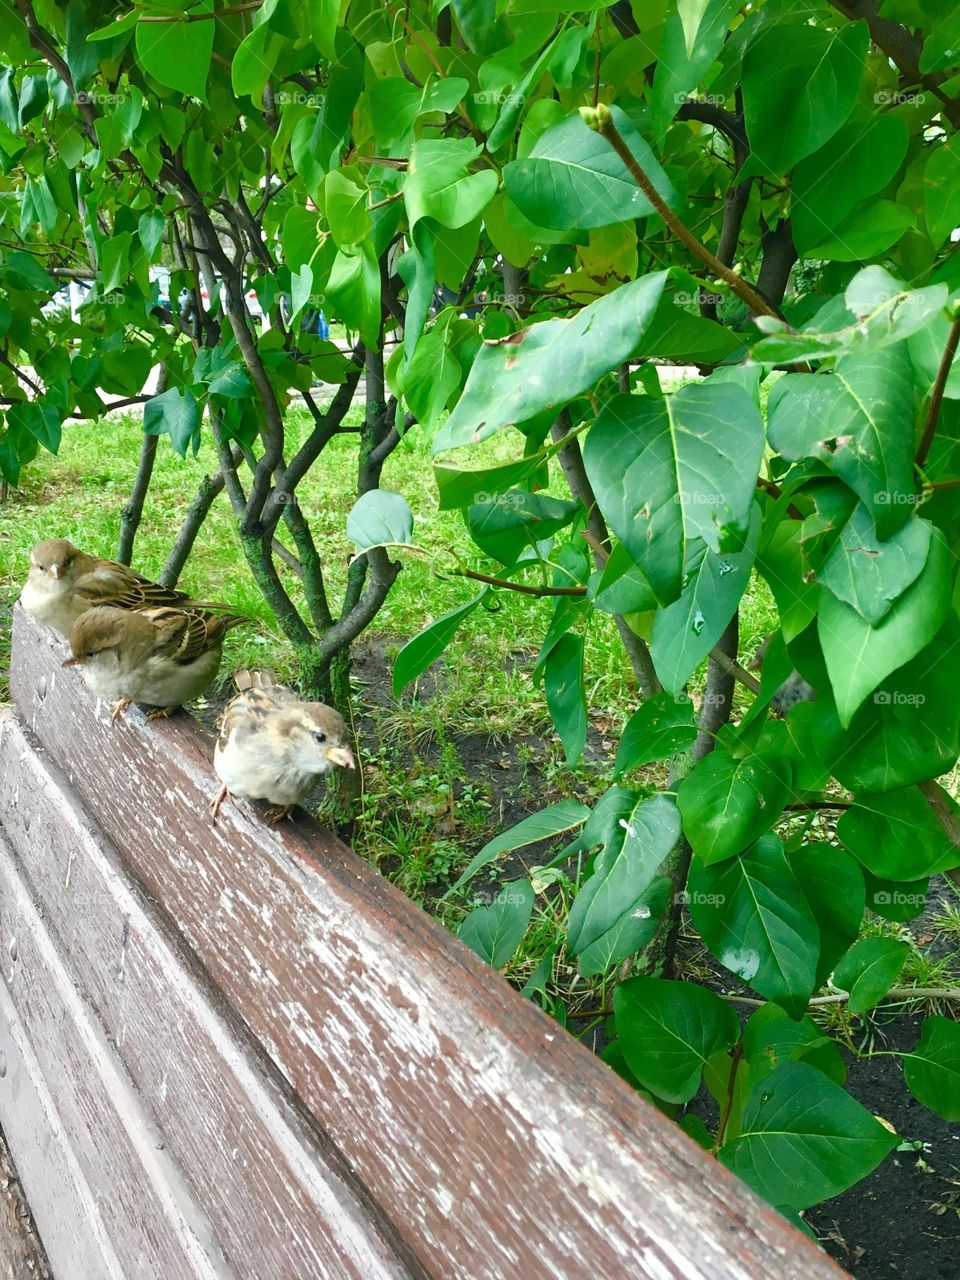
(342,756)
(70,662)
(54,571)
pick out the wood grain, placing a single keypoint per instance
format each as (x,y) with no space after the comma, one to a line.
(21,1256)
(495,1144)
(279,1199)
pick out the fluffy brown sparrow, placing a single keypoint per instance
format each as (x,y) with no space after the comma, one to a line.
(273,745)
(164,656)
(64,582)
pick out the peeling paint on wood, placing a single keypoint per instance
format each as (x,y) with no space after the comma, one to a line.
(488,1140)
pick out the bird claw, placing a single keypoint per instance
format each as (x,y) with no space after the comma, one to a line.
(160,713)
(276,814)
(218,800)
(119,709)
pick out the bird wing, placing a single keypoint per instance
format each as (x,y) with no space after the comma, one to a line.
(115,584)
(185,634)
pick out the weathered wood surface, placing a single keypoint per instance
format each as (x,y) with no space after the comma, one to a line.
(21,1254)
(279,1199)
(495,1144)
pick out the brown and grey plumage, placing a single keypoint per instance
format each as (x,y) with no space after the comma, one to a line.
(274,745)
(63,582)
(163,657)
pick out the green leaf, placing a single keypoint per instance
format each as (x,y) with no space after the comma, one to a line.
(868,230)
(495,932)
(42,420)
(544,366)
(574,178)
(566,697)
(667,470)
(504,525)
(752,915)
(637,833)
(396,105)
(853,421)
(771,1037)
(440,185)
(417,654)
(941,190)
(896,835)
(832,883)
(668,1030)
(932,1071)
(871,575)
(345,205)
(556,819)
(622,587)
(380,518)
(727,804)
(174,413)
(150,230)
(459,488)
(858,161)
(803,1139)
(662,727)
(178,53)
(431,378)
(353,290)
(481,28)
(693,36)
(880,311)
(686,631)
(800,83)
(868,971)
(859,656)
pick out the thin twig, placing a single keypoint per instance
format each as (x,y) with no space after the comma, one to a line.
(600,119)
(936,400)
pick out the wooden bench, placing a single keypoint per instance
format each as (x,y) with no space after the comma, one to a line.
(240,1052)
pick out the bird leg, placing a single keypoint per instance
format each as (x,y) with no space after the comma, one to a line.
(119,709)
(160,713)
(276,814)
(218,800)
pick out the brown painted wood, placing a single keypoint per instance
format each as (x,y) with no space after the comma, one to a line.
(495,1143)
(280,1200)
(127,1197)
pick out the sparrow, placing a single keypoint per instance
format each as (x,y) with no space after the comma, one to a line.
(163,657)
(793,690)
(274,745)
(64,582)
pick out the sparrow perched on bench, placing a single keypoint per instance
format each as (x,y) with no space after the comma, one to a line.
(164,656)
(64,582)
(274,746)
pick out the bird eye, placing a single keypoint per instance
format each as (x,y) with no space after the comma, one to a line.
(320,736)
(42,568)
(93,653)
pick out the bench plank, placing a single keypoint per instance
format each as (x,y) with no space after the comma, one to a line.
(497,1145)
(279,1198)
(127,1196)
